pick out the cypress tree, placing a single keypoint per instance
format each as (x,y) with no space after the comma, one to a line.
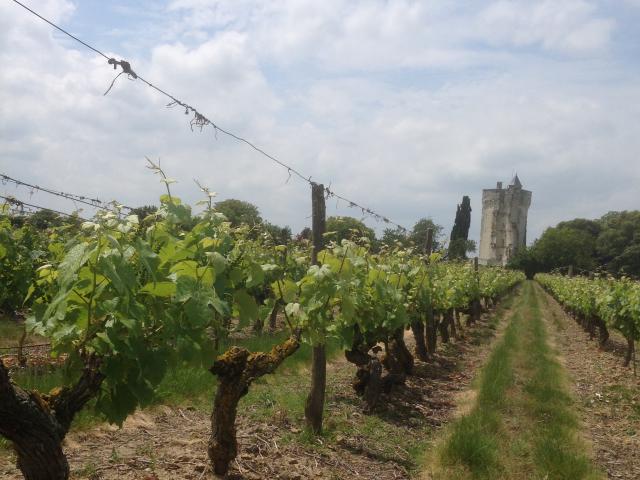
(460,230)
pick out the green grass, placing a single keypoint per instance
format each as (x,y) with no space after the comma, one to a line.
(473,442)
(11,331)
(193,386)
(522,424)
(558,452)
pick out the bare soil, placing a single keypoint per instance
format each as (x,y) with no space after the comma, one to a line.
(608,395)
(170,442)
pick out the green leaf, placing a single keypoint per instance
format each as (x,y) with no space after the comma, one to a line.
(220,306)
(29,293)
(188,268)
(218,261)
(255,275)
(118,403)
(154,365)
(247,307)
(72,262)
(289,290)
(186,288)
(119,273)
(149,259)
(159,289)
(206,275)
(197,309)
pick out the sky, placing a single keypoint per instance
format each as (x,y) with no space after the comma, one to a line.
(401,106)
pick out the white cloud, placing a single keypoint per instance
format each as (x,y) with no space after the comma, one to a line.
(570,26)
(403,106)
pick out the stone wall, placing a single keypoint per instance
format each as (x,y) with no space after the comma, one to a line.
(503,228)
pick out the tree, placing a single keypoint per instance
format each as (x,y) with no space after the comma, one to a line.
(394,236)
(618,241)
(525,260)
(592,227)
(348,228)
(611,242)
(144,211)
(419,233)
(278,235)
(305,234)
(562,247)
(460,231)
(239,212)
(43,219)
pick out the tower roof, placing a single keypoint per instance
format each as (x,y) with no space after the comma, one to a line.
(515,182)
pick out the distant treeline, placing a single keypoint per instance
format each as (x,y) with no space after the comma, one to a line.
(609,244)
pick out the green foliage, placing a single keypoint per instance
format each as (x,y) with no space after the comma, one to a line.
(44,219)
(144,302)
(418,234)
(525,261)
(618,243)
(611,243)
(458,244)
(592,227)
(22,251)
(239,212)
(304,235)
(145,213)
(561,247)
(348,228)
(275,234)
(394,237)
(616,302)
(145,299)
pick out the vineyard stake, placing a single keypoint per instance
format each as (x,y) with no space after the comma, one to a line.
(314,406)
(430,328)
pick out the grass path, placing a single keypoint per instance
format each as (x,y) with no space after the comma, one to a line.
(522,425)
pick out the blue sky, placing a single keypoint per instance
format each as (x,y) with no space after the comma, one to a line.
(403,106)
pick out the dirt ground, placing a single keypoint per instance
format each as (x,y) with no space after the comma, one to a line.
(170,442)
(608,395)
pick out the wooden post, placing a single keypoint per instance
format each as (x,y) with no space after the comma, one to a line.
(475,305)
(428,244)
(430,331)
(314,406)
(570,271)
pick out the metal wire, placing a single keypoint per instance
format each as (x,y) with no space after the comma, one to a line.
(201,121)
(92,202)
(16,202)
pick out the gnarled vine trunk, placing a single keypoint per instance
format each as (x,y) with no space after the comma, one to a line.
(431,332)
(368,381)
(236,369)
(603,332)
(273,316)
(398,358)
(443,328)
(36,424)
(418,329)
(631,346)
(458,322)
(451,322)
(591,327)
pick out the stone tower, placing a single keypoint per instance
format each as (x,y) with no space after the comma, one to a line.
(503,229)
